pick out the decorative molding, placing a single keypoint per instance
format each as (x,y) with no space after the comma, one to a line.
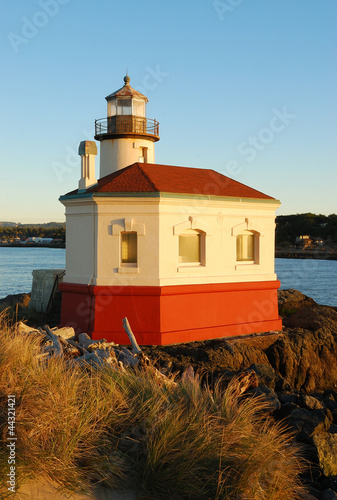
(248,225)
(128,270)
(191,223)
(128,224)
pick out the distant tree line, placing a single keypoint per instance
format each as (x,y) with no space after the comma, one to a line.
(288,227)
(26,231)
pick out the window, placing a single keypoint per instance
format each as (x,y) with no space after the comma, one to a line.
(138,107)
(129,248)
(143,157)
(190,247)
(246,246)
(124,107)
(112,108)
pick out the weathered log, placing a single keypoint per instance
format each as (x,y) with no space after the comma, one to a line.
(81,349)
(66,332)
(94,359)
(135,347)
(56,347)
(126,357)
(87,341)
(24,329)
(142,360)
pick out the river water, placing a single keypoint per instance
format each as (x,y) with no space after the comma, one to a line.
(316,278)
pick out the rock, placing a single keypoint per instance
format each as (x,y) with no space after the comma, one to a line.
(329,482)
(308,423)
(20,299)
(326,445)
(309,402)
(330,401)
(304,318)
(269,395)
(288,398)
(310,496)
(306,358)
(285,410)
(290,301)
(329,495)
(281,384)
(265,374)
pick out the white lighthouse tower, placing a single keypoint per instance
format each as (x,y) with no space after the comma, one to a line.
(126,135)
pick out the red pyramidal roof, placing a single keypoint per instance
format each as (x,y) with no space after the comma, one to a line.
(149,177)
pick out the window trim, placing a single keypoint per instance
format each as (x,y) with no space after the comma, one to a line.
(255,228)
(201,238)
(256,246)
(204,231)
(127,225)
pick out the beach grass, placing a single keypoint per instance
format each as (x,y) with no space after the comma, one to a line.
(125,429)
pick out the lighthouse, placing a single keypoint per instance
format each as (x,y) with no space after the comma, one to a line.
(126,135)
(184,253)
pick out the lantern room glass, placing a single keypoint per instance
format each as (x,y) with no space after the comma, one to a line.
(112,108)
(124,107)
(127,107)
(138,107)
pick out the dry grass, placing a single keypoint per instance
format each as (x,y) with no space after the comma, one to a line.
(81,427)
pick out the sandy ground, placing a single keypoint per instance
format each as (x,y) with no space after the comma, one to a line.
(36,490)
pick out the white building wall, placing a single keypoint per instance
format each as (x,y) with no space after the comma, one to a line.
(93,236)
(217,219)
(80,243)
(114,217)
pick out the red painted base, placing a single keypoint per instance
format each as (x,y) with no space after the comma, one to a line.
(171,314)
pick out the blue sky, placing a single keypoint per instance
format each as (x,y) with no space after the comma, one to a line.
(245,87)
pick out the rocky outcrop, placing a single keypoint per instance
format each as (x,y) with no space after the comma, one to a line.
(326,446)
(20,300)
(305,356)
(290,301)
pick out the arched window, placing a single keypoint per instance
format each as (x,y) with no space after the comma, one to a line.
(246,246)
(190,247)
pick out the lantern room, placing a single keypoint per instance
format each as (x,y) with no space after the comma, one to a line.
(126,134)
(126,102)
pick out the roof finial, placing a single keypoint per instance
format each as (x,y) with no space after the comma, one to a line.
(126,78)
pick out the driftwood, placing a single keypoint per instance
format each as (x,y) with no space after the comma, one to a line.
(56,346)
(66,333)
(135,347)
(85,351)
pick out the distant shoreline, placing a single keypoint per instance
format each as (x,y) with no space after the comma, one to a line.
(34,245)
(306,254)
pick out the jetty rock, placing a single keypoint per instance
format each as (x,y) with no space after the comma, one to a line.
(19,299)
(303,355)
